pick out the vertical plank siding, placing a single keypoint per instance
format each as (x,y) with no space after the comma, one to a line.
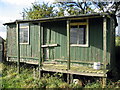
(1,49)
(55,35)
(55,32)
(11,41)
(34,39)
(93,52)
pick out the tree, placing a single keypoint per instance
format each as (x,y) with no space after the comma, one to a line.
(70,8)
(109,7)
(76,8)
(93,6)
(39,11)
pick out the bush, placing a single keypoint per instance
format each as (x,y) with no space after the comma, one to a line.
(117,41)
(93,85)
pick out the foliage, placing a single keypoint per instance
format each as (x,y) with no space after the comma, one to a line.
(39,11)
(117,41)
(10,79)
(76,8)
(90,6)
(72,85)
(93,85)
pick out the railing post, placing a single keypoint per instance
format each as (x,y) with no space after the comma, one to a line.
(68,50)
(18,47)
(39,46)
(104,48)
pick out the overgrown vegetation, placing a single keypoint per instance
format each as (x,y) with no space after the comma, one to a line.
(118,41)
(27,79)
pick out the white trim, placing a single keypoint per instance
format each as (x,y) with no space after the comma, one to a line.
(87,35)
(49,45)
(79,45)
(28,32)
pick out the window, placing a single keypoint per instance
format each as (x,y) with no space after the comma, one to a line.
(79,34)
(24,33)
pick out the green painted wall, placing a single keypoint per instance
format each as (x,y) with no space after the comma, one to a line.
(55,33)
(11,41)
(1,49)
(26,50)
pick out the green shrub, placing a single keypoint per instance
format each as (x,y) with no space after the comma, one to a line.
(117,41)
(93,85)
(75,85)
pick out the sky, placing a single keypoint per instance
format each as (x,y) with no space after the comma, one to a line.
(10,10)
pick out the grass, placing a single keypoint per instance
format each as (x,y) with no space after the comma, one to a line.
(117,40)
(28,79)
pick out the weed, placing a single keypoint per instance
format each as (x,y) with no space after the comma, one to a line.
(10,79)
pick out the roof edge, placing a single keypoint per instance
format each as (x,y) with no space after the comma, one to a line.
(57,18)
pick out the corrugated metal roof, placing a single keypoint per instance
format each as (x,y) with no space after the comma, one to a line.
(58,18)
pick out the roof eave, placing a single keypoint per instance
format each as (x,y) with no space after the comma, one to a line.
(58,18)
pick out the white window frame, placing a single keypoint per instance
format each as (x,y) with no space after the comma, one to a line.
(87,33)
(28,32)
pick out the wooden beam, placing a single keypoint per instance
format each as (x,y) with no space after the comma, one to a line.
(39,46)
(18,47)
(68,44)
(68,50)
(79,23)
(104,48)
(49,45)
(105,42)
(75,72)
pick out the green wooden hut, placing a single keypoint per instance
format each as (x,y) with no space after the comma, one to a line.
(69,44)
(1,49)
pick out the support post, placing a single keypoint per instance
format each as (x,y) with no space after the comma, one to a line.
(68,44)
(68,78)
(68,50)
(39,46)
(18,47)
(71,78)
(104,48)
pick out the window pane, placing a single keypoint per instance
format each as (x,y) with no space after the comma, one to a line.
(81,35)
(77,34)
(24,33)
(73,35)
(21,36)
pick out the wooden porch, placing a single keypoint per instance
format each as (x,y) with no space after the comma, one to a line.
(62,68)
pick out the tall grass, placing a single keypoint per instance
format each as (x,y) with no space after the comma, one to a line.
(27,79)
